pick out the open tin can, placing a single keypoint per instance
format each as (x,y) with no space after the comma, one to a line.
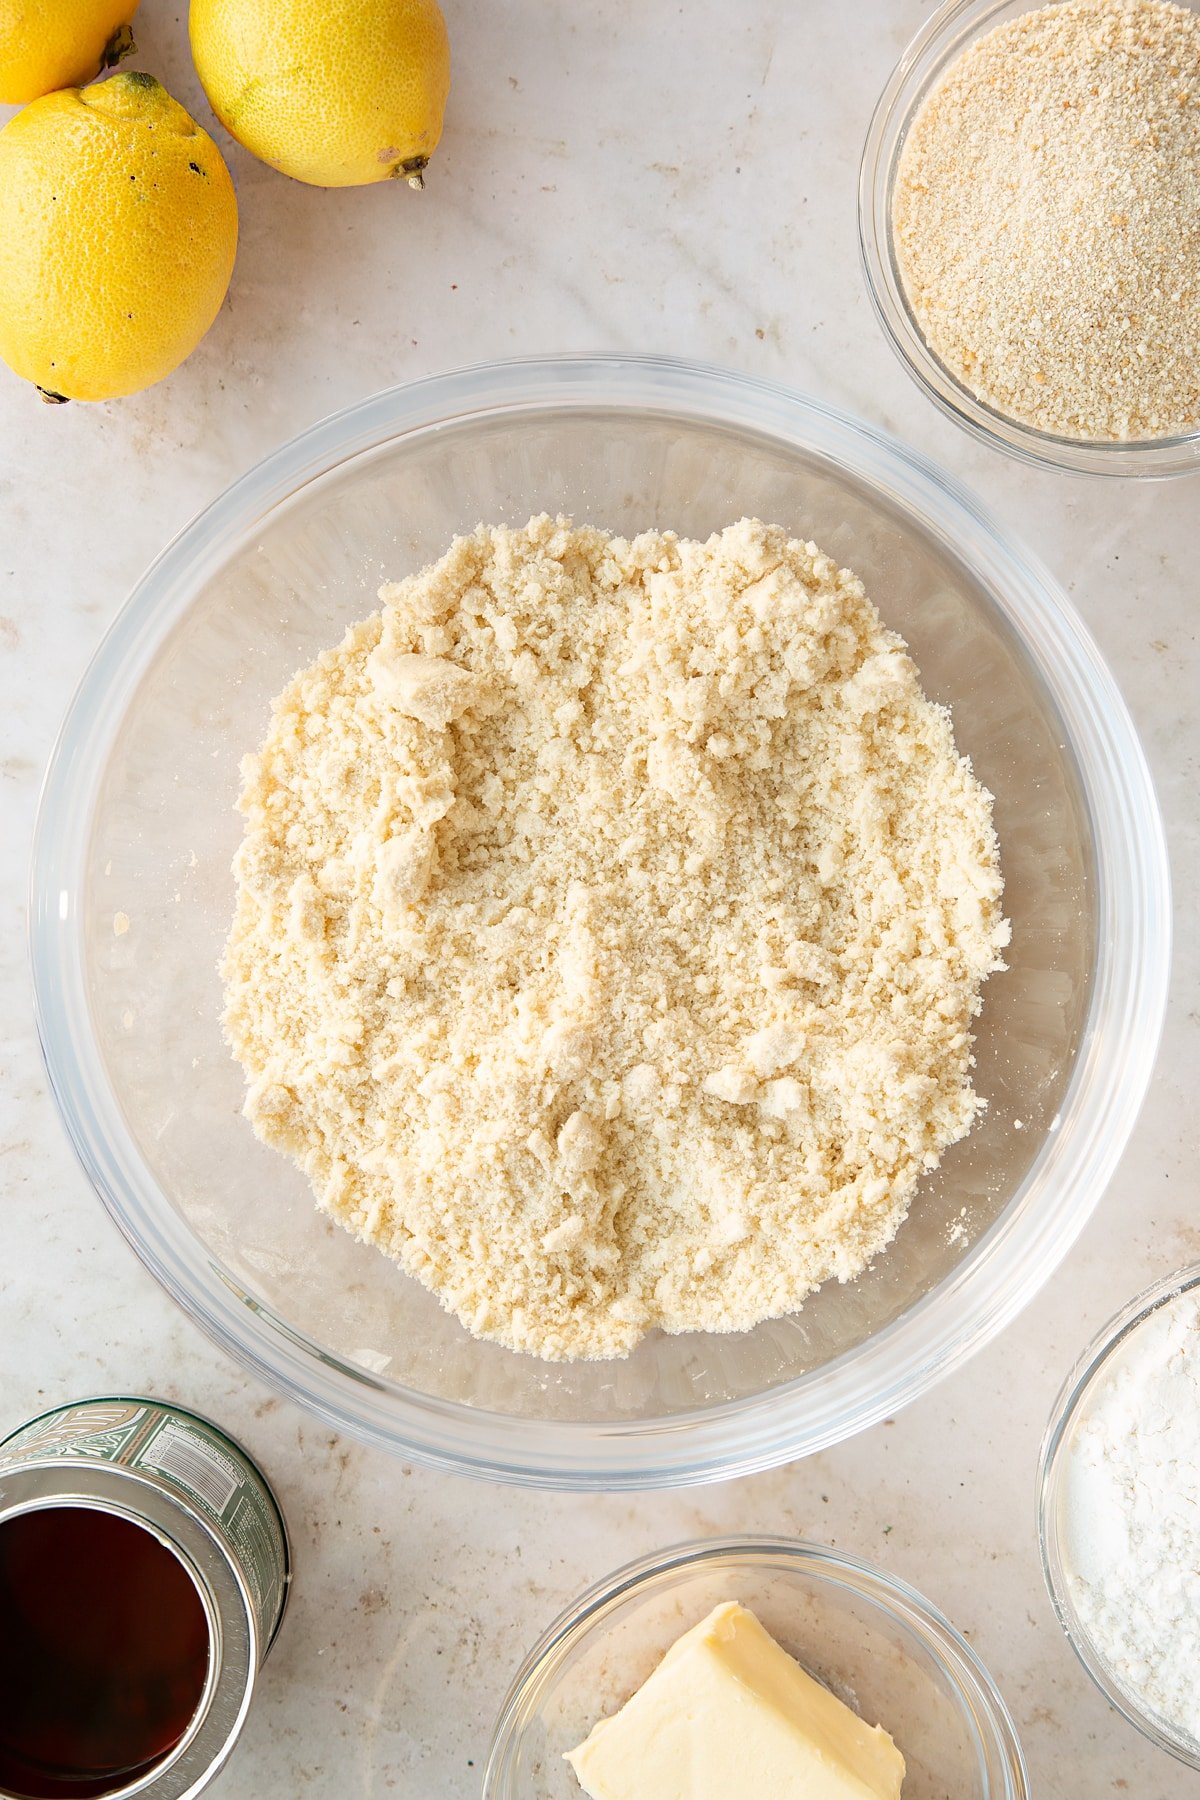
(144,1571)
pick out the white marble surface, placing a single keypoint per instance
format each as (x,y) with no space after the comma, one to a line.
(629,175)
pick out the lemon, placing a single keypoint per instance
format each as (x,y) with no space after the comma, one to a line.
(48,44)
(118,229)
(334,92)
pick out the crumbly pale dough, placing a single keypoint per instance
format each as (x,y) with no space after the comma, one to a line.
(611,916)
(1047,219)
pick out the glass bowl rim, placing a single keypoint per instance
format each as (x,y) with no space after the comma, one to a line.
(973,1686)
(905,1357)
(940,39)
(1064,1414)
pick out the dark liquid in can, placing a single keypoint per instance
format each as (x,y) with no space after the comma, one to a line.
(104,1648)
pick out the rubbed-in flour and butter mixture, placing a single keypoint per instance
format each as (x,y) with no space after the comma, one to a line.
(611,918)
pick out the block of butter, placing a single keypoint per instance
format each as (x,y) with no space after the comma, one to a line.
(729,1715)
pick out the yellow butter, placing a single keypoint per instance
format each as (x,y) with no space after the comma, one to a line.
(727,1714)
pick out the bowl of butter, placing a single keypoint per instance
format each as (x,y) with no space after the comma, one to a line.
(743,1667)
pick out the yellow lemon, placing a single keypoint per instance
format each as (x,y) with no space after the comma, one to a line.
(118,230)
(48,44)
(334,92)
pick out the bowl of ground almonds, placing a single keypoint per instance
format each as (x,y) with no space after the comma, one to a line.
(1029,218)
(597,923)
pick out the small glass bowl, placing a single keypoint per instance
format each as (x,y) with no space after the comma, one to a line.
(871,1639)
(1070,1409)
(940,41)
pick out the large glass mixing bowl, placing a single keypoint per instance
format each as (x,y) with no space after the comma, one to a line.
(132,897)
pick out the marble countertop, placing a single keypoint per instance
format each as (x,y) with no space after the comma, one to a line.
(622,176)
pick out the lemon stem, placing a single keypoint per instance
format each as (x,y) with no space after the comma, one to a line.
(119,45)
(412,169)
(53,399)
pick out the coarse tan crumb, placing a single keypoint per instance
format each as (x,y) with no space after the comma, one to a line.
(1047,219)
(610,920)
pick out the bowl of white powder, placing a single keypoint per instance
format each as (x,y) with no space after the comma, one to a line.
(1029,221)
(1119,1512)
(574,1062)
